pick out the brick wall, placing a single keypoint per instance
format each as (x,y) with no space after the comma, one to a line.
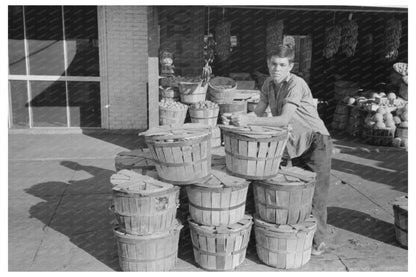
(127,66)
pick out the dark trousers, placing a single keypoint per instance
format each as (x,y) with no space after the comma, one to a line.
(318,159)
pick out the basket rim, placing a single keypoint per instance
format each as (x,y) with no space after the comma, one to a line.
(234,83)
(309,224)
(174,229)
(241,225)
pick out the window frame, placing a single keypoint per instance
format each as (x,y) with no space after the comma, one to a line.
(28,77)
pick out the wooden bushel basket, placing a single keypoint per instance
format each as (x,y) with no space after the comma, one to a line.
(156,252)
(182,155)
(217,94)
(284,246)
(172,117)
(145,205)
(254,152)
(192,92)
(220,248)
(204,116)
(215,137)
(219,201)
(400,208)
(139,160)
(285,199)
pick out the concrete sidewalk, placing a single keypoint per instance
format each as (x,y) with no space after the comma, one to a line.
(59,195)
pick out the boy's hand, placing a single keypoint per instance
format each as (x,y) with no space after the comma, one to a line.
(242,119)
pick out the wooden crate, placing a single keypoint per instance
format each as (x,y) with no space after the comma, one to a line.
(219,201)
(144,205)
(156,252)
(182,155)
(254,152)
(285,199)
(380,136)
(400,208)
(341,116)
(220,248)
(284,246)
(356,121)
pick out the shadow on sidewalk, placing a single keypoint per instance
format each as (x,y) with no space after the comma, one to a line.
(129,141)
(362,224)
(389,171)
(82,213)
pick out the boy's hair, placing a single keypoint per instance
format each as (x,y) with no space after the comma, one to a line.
(282,51)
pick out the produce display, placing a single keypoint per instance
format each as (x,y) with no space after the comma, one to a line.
(393,33)
(190,79)
(202,105)
(332,41)
(222,37)
(401,68)
(383,118)
(274,33)
(349,35)
(372,101)
(170,104)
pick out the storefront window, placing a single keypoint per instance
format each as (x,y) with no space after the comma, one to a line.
(84,103)
(81,38)
(19,116)
(17,62)
(54,78)
(45,40)
(48,104)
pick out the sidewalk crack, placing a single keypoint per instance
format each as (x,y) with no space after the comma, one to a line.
(346,267)
(363,194)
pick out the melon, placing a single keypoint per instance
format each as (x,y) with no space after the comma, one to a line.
(390,123)
(380,125)
(378,117)
(397,120)
(391,95)
(351,100)
(381,110)
(397,142)
(388,116)
(405,116)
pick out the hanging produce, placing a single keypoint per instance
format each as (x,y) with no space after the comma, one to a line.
(274,32)
(222,37)
(349,34)
(289,41)
(332,41)
(393,33)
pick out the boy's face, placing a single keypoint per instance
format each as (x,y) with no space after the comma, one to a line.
(279,68)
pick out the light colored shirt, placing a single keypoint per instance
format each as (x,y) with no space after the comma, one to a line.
(305,120)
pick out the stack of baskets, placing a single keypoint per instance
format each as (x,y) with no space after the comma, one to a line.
(220,230)
(147,232)
(283,225)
